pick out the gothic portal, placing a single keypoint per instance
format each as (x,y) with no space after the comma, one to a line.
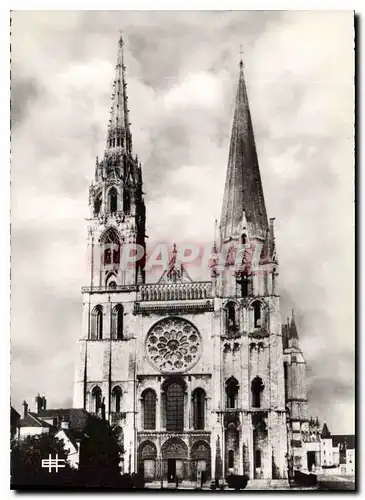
(201,376)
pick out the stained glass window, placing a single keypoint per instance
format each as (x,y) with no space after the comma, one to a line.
(113,200)
(198,409)
(118,322)
(256,388)
(96,399)
(174,407)
(149,410)
(97,323)
(117,399)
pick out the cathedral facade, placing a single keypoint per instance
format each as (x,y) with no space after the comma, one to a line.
(202,376)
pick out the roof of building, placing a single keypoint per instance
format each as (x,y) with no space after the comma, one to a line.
(32,420)
(77,417)
(243,188)
(176,272)
(14,415)
(325,432)
(347,440)
(73,435)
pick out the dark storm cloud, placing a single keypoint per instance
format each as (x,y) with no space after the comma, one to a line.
(182,71)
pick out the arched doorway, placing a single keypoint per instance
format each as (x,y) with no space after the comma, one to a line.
(147,454)
(201,460)
(174,454)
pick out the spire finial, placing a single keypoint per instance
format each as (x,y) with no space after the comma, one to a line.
(121,42)
(241,56)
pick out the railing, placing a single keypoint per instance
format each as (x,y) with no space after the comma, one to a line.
(198,290)
(118,288)
(175,291)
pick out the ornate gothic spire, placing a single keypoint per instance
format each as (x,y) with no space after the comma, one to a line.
(119,134)
(243,189)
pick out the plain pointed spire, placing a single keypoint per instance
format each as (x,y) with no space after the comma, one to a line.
(119,135)
(243,189)
(293,332)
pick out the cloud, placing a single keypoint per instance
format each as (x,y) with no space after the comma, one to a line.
(182,72)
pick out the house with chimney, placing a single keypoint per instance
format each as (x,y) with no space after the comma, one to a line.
(31,424)
(337,452)
(66,424)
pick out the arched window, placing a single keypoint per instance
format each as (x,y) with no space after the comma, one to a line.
(97,323)
(97,205)
(117,399)
(243,239)
(113,200)
(257,316)
(96,399)
(231,317)
(174,405)
(127,201)
(232,392)
(198,409)
(286,379)
(244,285)
(256,388)
(111,247)
(118,313)
(149,409)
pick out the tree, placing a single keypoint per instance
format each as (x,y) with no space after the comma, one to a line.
(26,463)
(100,454)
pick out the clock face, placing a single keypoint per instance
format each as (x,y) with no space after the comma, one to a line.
(173,345)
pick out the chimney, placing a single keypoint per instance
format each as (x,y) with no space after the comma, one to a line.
(65,424)
(25,410)
(44,403)
(39,402)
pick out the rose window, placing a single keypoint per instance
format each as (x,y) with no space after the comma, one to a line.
(173,345)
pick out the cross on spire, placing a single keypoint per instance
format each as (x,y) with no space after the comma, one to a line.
(241,56)
(121,42)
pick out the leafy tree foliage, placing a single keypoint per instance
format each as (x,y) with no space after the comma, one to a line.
(100,454)
(26,462)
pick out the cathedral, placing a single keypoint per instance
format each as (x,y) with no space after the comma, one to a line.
(202,376)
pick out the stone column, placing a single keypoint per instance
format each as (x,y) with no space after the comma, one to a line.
(240,448)
(251,450)
(158,411)
(187,423)
(213,438)
(270,437)
(162,411)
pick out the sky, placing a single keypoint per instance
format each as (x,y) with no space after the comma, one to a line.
(182,73)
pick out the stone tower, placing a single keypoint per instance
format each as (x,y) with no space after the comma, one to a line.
(250,347)
(106,368)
